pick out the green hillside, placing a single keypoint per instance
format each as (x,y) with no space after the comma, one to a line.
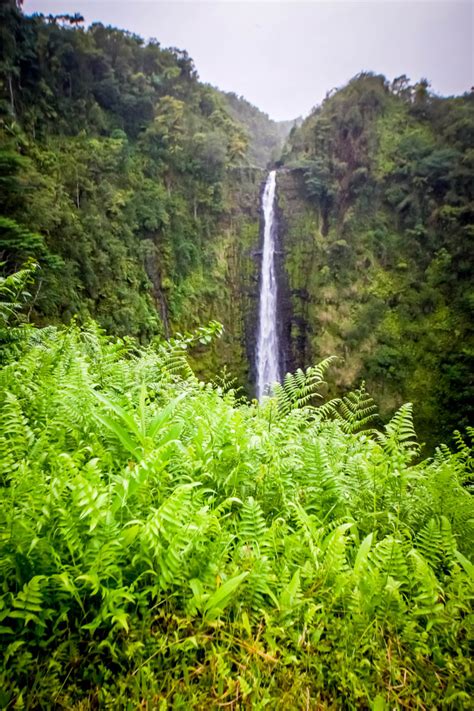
(378,208)
(166,541)
(265,137)
(127,180)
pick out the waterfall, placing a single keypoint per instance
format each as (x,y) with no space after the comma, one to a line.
(268,351)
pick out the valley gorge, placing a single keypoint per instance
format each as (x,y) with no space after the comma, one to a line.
(138,191)
(236,366)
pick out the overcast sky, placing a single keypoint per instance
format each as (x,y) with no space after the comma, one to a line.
(285,56)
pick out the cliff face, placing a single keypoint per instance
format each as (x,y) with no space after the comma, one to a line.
(376,209)
(325,304)
(128,181)
(298,233)
(228,290)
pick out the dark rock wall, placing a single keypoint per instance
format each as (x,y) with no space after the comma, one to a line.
(228,291)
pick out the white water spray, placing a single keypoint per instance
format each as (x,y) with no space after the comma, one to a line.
(268,368)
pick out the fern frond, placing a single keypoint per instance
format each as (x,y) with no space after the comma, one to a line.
(356,411)
(252,526)
(437,543)
(400,433)
(426,588)
(299,388)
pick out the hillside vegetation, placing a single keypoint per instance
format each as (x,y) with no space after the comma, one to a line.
(377,214)
(167,545)
(165,542)
(128,181)
(136,189)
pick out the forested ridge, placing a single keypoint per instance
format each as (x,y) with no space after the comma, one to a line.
(378,211)
(125,178)
(167,542)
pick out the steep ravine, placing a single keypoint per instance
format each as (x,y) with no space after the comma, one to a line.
(336,299)
(136,189)
(229,288)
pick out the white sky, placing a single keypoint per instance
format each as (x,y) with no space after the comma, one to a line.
(285,56)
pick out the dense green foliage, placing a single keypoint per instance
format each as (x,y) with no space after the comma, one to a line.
(164,542)
(379,248)
(126,179)
(166,545)
(129,182)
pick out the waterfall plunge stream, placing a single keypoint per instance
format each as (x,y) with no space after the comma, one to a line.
(268,350)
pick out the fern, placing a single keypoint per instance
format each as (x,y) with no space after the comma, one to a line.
(16,436)
(465,456)
(400,435)
(437,543)
(322,484)
(311,533)
(28,605)
(252,527)
(389,558)
(13,295)
(334,546)
(426,588)
(153,525)
(356,411)
(298,389)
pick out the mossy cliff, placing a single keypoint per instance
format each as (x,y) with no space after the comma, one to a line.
(376,206)
(130,183)
(227,288)
(136,188)
(324,314)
